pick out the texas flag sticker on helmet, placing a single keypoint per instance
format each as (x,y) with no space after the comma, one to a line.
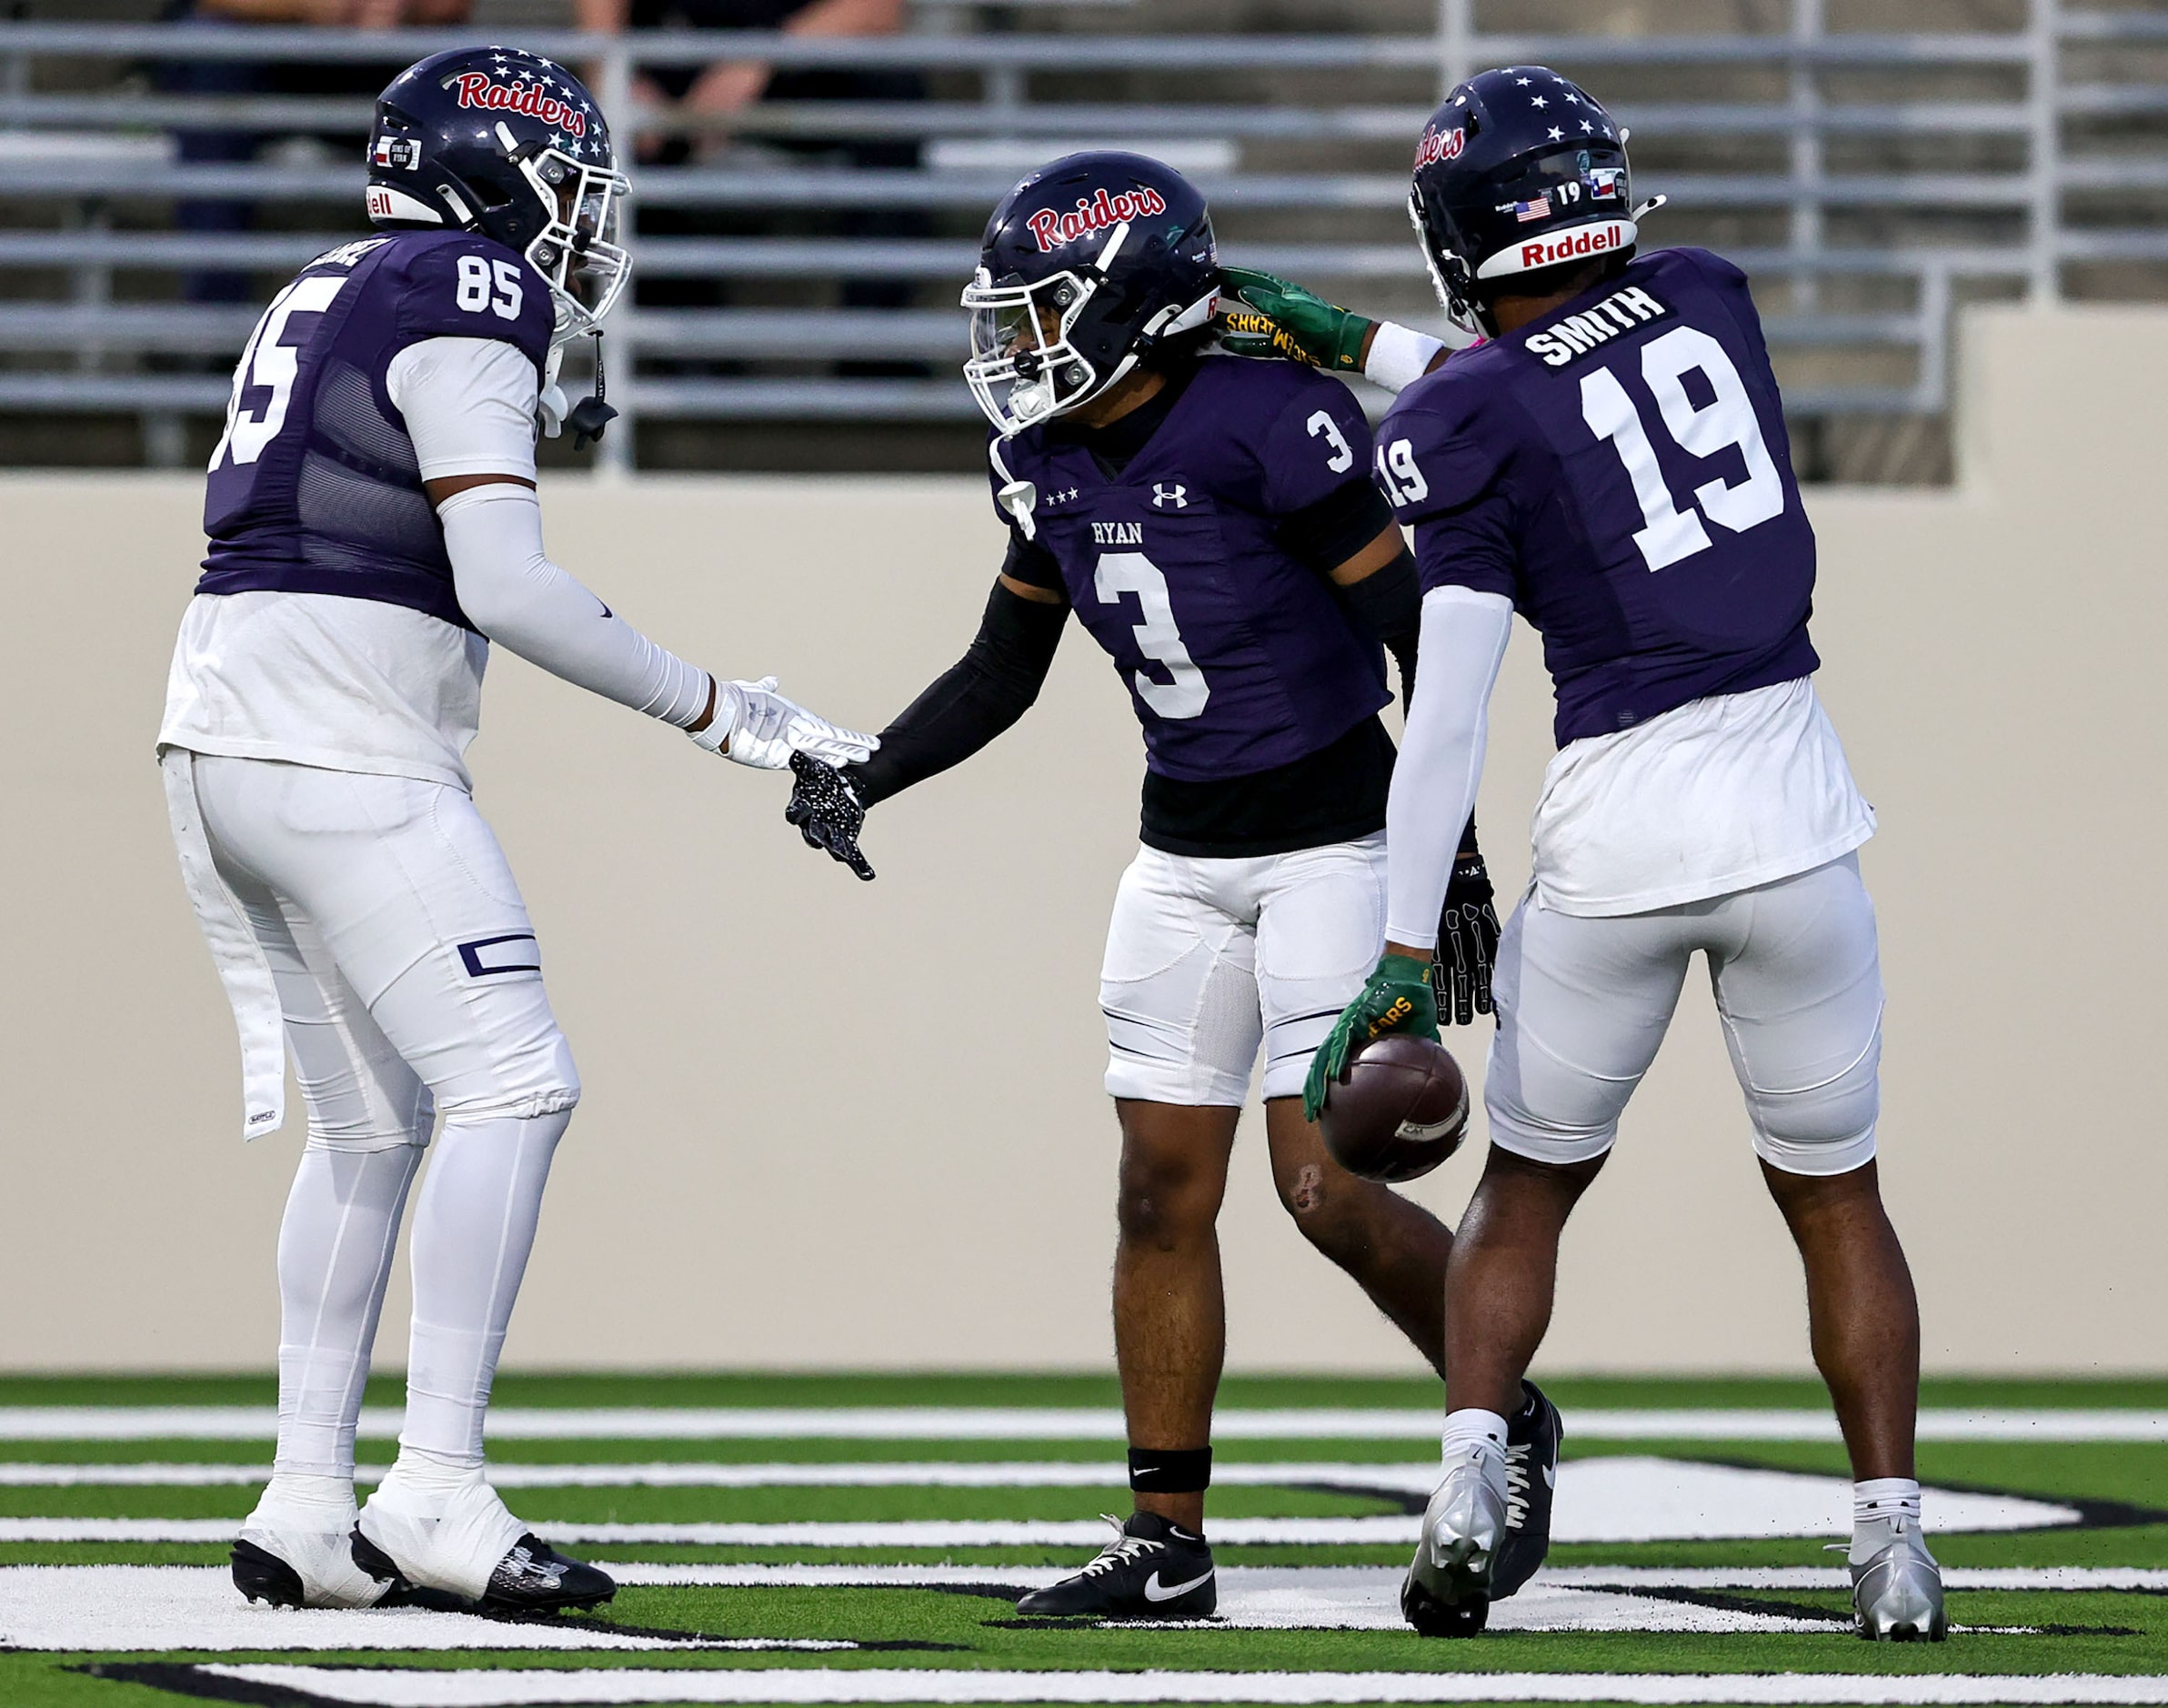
(1575,243)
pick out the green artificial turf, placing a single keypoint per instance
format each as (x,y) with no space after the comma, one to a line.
(2126,1484)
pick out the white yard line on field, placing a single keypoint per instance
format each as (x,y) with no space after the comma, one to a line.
(24,1423)
(152,1609)
(2072,1579)
(390,1688)
(1613,1498)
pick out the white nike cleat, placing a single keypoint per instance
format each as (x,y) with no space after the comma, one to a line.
(293,1553)
(465,1544)
(1897,1592)
(1447,1591)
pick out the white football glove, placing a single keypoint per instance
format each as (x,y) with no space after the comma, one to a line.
(754,725)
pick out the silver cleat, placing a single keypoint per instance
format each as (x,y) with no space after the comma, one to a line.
(1447,1591)
(1897,1596)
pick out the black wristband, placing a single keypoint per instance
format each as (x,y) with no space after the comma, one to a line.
(1171,1470)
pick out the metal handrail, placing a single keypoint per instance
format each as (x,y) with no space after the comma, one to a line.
(100,185)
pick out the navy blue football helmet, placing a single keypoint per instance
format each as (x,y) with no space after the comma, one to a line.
(510,145)
(1087,266)
(1518,172)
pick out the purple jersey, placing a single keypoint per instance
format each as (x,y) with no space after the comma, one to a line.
(315,487)
(1237,656)
(1619,469)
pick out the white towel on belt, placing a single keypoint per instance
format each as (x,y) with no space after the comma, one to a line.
(242,968)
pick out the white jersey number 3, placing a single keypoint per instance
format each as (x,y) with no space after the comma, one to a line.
(1671,534)
(1158,639)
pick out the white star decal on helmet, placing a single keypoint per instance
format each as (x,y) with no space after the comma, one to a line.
(1522,83)
(1536,100)
(1557,135)
(1585,126)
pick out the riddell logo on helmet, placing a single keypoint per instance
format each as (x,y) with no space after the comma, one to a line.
(1053,227)
(478,88)
(1571,245)
(1439,144)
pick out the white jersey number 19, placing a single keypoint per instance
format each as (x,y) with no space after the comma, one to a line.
(1727,419)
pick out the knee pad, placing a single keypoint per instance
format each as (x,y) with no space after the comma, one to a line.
(359,1116)
(539,1081)
(1826,1128)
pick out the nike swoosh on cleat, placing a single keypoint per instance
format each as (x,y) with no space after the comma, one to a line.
(1551,1476)
(1154,1591)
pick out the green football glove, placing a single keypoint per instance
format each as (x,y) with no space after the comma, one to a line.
(1263,316)
(1398,999)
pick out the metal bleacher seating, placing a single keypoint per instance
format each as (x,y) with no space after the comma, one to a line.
(1869,180)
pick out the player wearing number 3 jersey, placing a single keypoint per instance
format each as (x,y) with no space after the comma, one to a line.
(373,526)
(1211,521)
(1612,465)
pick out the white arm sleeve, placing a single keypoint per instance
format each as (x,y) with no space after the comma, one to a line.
(1399,356)
(1434,781)
(470,405)
(512,592)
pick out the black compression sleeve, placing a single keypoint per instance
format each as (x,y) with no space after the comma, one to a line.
(987,689)
(1390,601)
(1033,565)
(1328,533)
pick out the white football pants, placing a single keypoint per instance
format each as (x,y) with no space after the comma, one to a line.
(1583,1003)
(410,985)
(1205,958)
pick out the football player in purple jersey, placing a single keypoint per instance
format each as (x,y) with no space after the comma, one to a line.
(1210,521)
(373,526)
(1612,464)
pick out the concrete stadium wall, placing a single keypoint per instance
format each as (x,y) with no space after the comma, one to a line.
(833,1124)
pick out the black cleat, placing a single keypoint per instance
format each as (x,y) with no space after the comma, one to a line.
(1532,1437)
(1434,1618)
(262,1576)
(535,1578)
(1153,1569)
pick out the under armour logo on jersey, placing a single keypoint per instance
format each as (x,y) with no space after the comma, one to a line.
(1163,496)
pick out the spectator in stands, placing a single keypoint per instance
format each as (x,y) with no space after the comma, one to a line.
(243,76)
(728,86)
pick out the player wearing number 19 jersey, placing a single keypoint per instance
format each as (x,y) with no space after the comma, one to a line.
(1612,465)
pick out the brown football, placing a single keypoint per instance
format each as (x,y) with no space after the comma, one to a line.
(1401,1110)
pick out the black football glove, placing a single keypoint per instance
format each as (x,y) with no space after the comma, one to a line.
(1467,939)
(827,813)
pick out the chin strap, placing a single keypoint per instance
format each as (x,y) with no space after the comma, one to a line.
(591,416)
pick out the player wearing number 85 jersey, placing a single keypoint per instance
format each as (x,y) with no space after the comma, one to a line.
(373,526)
(1612,465)
(1211,521)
